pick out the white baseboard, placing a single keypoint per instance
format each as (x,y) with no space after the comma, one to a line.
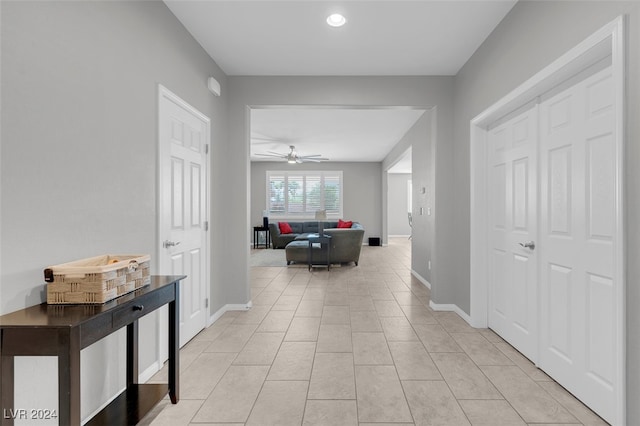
(420,278)
(451,308)
(442,307)
(109,401)
(229,307)
(149,372)
(240,307)
(216,316)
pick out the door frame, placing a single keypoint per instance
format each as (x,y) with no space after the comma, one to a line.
(163,151)
(607,41)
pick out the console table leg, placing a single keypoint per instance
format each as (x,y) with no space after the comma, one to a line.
(174,348)
(6,390)
(132,353)
(69,377)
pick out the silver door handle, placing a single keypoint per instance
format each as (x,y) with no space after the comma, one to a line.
(529,244)
(167,243)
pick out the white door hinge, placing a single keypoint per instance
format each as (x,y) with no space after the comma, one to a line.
(206,302)
(206,225)
(206,148)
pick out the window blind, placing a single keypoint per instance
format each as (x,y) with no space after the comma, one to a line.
(300,194)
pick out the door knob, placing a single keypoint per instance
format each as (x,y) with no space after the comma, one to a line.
(529,244)
(167,243)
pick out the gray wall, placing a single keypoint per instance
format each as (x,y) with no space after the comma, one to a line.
(398,199)
(362,197)
(422,139)
(78,171)
(530,37)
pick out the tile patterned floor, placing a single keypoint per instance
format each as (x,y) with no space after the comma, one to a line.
(357,346)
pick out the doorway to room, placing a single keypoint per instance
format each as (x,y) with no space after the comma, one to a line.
(400,197)
(351,139)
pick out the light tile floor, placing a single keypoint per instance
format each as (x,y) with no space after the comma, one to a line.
(357,346)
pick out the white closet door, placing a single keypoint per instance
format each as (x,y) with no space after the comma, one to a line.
(577,241)
(513,278)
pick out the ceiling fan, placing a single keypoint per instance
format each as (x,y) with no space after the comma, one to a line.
(292,156)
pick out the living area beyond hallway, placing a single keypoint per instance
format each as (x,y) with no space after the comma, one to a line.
(357,345)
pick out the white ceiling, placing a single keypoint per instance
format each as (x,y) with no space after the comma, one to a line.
(291,38)
(418,37)
(340,134)
(403,165)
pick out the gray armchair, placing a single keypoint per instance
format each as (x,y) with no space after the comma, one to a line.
(346,244)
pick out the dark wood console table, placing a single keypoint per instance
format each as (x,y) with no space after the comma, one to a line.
(64,330)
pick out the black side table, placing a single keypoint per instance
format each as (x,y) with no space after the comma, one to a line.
(325,245)
(256,231)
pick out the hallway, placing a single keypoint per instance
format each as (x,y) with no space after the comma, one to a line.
(357,346)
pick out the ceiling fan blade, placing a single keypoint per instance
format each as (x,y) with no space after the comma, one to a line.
(262,137)
(271,155)
(310,156)
(314,160)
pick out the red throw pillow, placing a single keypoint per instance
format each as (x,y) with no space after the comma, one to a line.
(343,224)
(285,228)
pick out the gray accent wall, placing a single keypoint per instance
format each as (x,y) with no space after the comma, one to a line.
(530,37)
(362,192)
(79,154)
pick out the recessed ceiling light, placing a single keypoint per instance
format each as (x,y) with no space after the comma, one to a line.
(336,20)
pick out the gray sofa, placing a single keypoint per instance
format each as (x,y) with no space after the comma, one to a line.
(346,243)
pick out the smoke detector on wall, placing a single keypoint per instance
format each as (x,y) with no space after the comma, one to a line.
(213,86)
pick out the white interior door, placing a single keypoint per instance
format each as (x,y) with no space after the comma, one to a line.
(578,239)
(183,137)
(513,227)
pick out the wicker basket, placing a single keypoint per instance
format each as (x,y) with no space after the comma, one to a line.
(96,279)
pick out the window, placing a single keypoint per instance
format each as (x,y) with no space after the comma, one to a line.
(300,194)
